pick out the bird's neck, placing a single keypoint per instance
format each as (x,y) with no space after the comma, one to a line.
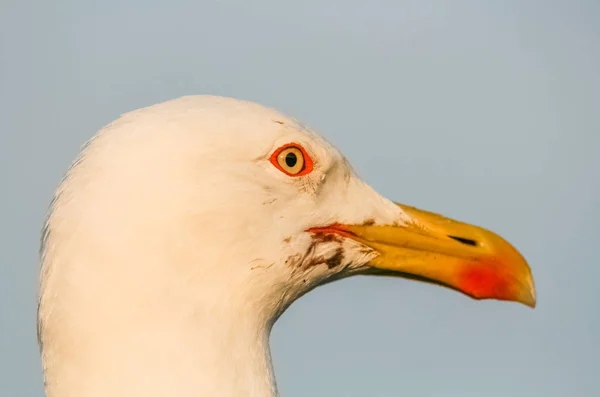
(165,347)
(169,357)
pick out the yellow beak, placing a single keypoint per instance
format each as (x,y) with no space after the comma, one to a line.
(457,255)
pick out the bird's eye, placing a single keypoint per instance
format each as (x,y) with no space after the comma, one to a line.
(292,160)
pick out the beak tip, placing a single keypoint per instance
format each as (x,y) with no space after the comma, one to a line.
(532,299)
(528,296)
(531,295)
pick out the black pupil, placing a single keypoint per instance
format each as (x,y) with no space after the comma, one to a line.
(291,159)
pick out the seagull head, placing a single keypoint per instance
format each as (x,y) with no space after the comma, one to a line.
(205,207)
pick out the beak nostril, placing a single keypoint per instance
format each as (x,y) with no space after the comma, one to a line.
(466,241)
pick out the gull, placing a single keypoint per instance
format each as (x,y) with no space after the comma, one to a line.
(183,230)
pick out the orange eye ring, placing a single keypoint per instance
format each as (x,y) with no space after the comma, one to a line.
(292,160)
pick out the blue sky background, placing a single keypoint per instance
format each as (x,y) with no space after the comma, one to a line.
(485,111)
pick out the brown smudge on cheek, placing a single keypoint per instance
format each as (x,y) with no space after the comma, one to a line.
(332,262)
(335,260)
(287,239)
(326,238)
(308,259)
(278,122)
(369,222)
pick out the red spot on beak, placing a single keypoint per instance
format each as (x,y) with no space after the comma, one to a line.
(482,280)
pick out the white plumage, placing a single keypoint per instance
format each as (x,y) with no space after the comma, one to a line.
(175,242)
